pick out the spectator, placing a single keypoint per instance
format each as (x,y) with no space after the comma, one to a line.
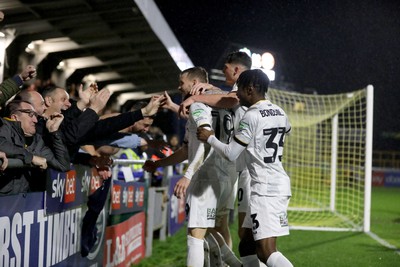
(18,139)
(174,142)
(13,85)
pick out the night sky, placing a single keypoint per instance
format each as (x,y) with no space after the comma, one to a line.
(328,46)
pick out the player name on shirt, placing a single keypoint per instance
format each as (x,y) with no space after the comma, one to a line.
(270,112)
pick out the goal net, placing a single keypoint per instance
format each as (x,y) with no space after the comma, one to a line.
(328,157)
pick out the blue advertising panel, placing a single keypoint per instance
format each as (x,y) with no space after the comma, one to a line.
(127,197)
(392,178)
(176,214)
(31,237)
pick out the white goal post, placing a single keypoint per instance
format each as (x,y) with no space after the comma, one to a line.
(328,156)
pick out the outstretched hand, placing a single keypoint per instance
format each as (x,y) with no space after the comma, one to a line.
(98,100)
(150,166)
(155,103)
(100,162)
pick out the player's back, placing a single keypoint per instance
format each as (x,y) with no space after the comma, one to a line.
(268,126)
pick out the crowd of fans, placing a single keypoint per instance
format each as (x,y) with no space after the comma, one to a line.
(43,127)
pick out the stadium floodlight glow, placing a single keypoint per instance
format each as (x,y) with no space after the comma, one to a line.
(265,62)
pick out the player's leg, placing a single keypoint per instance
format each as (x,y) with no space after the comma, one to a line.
(267,252)
(195,244)
(247,249)
(224,206)
(269,219)
(201,209)
(243,197)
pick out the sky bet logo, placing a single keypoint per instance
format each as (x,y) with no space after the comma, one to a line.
(116,197)
(65,189)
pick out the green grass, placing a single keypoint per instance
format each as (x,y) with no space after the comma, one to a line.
(317,248)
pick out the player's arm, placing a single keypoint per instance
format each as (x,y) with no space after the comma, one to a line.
(183,183)
(229,151)
(214,100)
(177,157)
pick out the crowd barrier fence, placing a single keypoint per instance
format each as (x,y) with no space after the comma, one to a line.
(44,228)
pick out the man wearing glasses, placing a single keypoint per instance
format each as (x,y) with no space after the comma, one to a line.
(19,140)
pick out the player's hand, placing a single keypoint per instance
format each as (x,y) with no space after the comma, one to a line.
(54,122)
(28,73)
(203,134)
(150,166)
(200,88)
(169,104)
(39,162)
(181,187)
(4,161)
(184,107)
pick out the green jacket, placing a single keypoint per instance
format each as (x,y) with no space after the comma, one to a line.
(8,88)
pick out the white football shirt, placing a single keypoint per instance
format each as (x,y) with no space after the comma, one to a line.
(262,130)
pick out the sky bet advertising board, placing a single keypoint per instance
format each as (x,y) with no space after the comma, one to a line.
(44,228)
(30,237)
(70,189)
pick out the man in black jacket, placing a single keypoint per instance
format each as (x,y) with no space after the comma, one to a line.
(18,139)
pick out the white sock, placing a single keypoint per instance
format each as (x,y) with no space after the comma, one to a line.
(229,257)
(277,259)
(195,256)
(250,261)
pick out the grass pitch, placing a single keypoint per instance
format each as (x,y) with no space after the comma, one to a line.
(317,248)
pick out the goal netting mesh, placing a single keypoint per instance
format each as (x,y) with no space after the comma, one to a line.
(325,157)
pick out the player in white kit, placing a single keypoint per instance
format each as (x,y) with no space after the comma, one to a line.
(235,63)
(261,135)
(207,183)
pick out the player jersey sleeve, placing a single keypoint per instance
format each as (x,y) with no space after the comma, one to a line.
(245,130)
(195,164)
(229,151)
(201,115)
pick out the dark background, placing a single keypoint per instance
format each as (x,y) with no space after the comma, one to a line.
(323,46)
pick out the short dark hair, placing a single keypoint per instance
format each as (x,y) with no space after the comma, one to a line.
(48,90)
(256,78)
(13,106)
(196,72)
(240,58)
